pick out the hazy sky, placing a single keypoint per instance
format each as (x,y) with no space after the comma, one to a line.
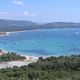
(41,10)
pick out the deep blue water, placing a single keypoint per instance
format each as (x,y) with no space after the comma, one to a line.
(43,42)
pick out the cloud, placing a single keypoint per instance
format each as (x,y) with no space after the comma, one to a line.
(6,13)
(29,14)
(33,15)
(25,14)
(18,2)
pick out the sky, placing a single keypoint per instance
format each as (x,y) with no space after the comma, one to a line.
(41,10)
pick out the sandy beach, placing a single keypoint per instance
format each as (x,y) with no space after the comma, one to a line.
(4,33)
(11,64)
(7,33)
(29,59)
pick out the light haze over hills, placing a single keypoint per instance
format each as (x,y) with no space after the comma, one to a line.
(19,25)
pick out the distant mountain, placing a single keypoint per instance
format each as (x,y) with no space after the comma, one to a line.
(61,25)
(16,25)
(19,25)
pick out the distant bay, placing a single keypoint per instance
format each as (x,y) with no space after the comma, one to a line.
(44,42)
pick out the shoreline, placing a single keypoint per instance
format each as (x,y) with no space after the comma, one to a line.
(11,64)
(28,58)
(7,33)
(25,31)
(18,63)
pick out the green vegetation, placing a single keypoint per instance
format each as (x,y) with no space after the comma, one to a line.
(52,68)
(11,57)
(19,25)
(16,25)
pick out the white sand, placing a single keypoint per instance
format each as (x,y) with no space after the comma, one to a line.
(6,33)
(14,63)
(29,59)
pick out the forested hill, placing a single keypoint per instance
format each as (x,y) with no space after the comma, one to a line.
(16,25)
(61,25)
(52,68)
(19,25)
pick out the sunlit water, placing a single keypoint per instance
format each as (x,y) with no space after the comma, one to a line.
(43,42)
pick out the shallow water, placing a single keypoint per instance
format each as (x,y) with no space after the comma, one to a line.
(43,42)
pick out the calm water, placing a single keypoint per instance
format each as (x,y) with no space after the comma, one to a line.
(43,42)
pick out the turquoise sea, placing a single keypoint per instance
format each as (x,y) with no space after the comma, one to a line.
(45,42)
